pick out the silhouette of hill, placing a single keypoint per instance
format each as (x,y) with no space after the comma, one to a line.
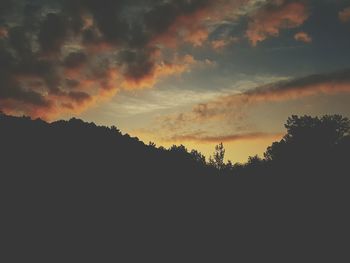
(73,191)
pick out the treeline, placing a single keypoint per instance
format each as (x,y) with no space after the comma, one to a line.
(314,150)
(309,141)
(311,146)
(73,191)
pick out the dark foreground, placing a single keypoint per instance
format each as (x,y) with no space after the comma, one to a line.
(75,192)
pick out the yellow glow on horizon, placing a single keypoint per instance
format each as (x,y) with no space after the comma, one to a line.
(236,151)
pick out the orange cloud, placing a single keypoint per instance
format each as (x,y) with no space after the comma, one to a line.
(48,105)
(198,37)
(160,70)
(194,28)
(57,105)
(233,106)
(222,43)
(303,37)
(73,73)
(269,20)
(3,32)
(186,28)
(231,110)
(197,137)
(108,52)
(344,15)
(113,53)
(54,85)
(218,44)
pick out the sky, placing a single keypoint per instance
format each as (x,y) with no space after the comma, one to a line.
(191,72)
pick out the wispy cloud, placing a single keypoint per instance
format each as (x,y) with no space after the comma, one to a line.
(159,100)
(201,138)
(234,107)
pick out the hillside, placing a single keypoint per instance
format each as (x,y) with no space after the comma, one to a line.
(73,190)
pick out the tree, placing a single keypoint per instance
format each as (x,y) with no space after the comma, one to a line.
(115,129)
(181,149)
(218,157)
(198,157)
(310,137)
(329,128)
(152,144)
(254,161)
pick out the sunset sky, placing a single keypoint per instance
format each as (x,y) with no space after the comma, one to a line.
(192,72)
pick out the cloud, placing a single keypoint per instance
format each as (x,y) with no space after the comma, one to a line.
(75,60)
(52,51)
(180,23)
(233,107)
(144,74)
(53,31)
(200,138)
(6,6)
(274,16)
(303,37)
(195,25)
(63,57)
(31,85)
(198,37)
(230,113)
(219,44)
(344,15)
(3,32)
(73,66)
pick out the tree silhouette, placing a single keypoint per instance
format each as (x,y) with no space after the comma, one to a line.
(254,160)
(310,138)
(198,157)
(218,158)
(71,184)
(152,144)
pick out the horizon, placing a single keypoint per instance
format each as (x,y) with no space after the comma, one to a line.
(195,72)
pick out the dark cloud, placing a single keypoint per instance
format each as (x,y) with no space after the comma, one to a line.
(73,12)
(11,91)
(161,17)
(6,6)
(12,94)
(108,19)
(137,64)
(19,41)
(335,82)
(72,83)
(44,69)
(40,67)
(75,60)
(53,32)
(31,15)
(92,48)
(79,96)
(90,37)
(6,61)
